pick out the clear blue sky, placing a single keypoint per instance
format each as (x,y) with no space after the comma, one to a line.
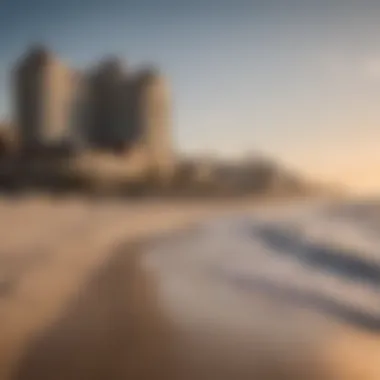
(298,80)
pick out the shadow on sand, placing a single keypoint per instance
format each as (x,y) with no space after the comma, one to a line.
(113,330)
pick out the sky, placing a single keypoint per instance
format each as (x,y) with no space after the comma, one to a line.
(297,80)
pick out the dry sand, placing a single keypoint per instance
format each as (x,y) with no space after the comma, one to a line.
(77,303)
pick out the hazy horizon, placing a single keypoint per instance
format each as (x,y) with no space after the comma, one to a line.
(298,81)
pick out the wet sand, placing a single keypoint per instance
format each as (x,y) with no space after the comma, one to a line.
(116,328)
(94,310)
(50,249)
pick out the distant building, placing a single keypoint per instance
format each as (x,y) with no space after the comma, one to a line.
(44,96)
(129,114)
(108,120)
(151,117)
(105,109)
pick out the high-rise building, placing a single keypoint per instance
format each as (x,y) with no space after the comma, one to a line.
(151,116)
(44,99)
(103,109)
(108,119)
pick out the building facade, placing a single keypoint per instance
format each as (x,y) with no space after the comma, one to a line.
(129,113)
(44,96)
(108,125)
(104,109)
(151,116)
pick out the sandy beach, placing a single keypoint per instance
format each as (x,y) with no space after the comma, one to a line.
(81,298)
